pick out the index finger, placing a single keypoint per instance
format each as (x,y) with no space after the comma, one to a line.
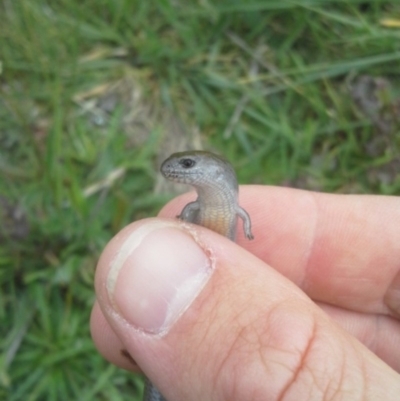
(340,249)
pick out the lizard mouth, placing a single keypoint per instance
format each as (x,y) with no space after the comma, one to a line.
(179,176)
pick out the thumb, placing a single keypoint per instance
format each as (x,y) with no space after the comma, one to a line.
(205,319)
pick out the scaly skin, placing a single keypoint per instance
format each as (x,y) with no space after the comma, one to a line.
(216,206)
(214,179)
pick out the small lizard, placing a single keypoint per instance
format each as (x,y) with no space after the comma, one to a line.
(216,206)
(214,179)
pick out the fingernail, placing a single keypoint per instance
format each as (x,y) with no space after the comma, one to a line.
(156,275)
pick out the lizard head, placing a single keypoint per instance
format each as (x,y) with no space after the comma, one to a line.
(198,168)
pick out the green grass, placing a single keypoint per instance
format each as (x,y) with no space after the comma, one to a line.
(265,82)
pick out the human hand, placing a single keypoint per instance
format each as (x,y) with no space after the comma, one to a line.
(309,310)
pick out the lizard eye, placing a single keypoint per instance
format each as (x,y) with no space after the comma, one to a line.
(187,163)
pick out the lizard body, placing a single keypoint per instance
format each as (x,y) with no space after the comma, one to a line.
(214,179)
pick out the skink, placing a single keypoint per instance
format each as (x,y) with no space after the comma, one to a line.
(214,179)
(216,206)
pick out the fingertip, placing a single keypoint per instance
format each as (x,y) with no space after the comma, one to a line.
(108,343)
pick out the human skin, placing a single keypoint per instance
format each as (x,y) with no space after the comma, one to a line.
(308,310)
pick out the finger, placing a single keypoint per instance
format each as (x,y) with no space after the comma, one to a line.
(381,334)
(108,343)
(205,319)
(340,249)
